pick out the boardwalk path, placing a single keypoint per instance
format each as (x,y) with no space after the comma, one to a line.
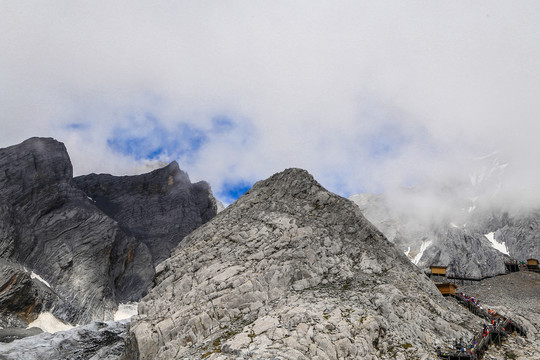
(498,330)
(517,296)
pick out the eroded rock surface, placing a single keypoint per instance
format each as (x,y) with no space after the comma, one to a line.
(464,248)
(21,297)
(57,233)
(292,271)
(89,260)
(95,341)
(159,208)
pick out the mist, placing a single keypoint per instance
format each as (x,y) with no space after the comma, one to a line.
(434,104)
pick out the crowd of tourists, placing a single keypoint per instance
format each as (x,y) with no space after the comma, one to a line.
(496,324)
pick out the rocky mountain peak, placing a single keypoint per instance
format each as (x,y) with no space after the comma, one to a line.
(158,208)
(94,239)
(37,161)
(290,182)
(294,271)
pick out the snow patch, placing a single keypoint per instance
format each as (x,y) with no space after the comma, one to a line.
(408,251)
(126,311)
(423,247)
(497,245)
(49,323)
(33,275)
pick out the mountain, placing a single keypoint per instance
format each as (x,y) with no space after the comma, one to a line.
(292,271)
(158,208)
(464,248)
(89,254)
(477,246)
(518,232)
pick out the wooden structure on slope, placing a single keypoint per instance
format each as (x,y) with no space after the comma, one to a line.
(438,270)
(447,288)
(532,264)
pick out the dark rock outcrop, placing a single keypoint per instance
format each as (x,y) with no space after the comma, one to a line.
(58,234)
(21,298)
(292,271)
(90,260)
(11,334)
(95,341)
(159,208)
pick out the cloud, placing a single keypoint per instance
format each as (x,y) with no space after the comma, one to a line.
(368,96)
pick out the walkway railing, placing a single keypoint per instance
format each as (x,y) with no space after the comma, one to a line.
(495,333)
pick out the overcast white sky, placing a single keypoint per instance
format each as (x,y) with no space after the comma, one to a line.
(369,96)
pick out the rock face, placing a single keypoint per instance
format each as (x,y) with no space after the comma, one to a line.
(145,206)
(57,233)
(464,249)
(21,297)
(89,260)
(292,271)
(96,341)
(519,231)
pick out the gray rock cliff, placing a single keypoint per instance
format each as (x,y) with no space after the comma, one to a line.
(292,271)
(464,249)
(92,256)
(159,208)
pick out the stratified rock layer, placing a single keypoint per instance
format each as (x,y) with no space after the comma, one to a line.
(21,297)
(58,233)
(95,341)
(464,249)
(292,271)
(88,259)
(159,208)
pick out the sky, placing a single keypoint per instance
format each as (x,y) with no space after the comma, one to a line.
(434,103)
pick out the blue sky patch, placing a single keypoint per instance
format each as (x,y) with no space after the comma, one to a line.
(387,141)
(232,190)
(183,139)
(77,126)
(222,124)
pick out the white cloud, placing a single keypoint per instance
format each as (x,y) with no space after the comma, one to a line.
(309,83)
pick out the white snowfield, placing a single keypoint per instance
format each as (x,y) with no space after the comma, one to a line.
(126,311)
(423,247)
(33,275)
(49,323)
(501,246)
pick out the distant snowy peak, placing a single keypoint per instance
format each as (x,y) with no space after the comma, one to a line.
(489,172)
(500,246)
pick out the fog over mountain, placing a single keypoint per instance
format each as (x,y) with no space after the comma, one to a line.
(370,97)
(288,270)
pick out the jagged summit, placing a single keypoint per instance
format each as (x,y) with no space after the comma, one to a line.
(292,178)
(93,239)
(294,271)
(159,208)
